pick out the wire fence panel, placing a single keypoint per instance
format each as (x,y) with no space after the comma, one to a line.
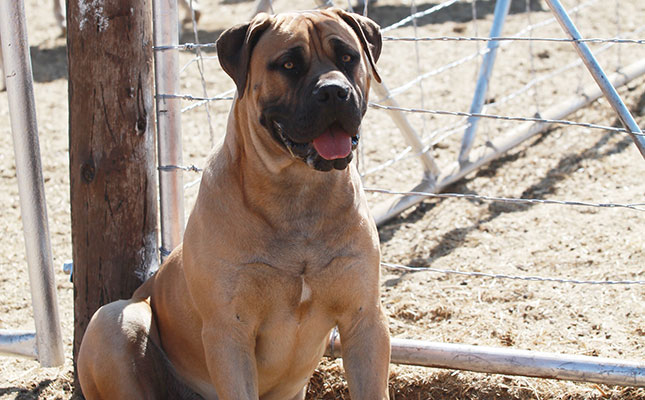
(502,252)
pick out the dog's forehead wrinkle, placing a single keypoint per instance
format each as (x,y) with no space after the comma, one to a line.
(289,23)
(320,28)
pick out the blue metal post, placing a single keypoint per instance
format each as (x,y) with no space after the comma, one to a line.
(598,75)
(501,11)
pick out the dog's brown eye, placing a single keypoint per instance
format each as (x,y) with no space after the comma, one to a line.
(288,65)
(346,58)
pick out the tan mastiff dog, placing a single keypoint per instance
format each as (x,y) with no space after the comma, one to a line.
(280,246)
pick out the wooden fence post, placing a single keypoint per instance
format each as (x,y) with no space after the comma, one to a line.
(112,142)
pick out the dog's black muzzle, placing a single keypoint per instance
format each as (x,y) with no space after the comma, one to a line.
(329,110)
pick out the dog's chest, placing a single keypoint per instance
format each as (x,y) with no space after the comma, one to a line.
(301,311)
(292,338)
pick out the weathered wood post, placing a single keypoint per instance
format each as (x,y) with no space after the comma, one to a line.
(112,169)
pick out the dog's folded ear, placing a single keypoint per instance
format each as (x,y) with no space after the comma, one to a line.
(369,33)
(234,48)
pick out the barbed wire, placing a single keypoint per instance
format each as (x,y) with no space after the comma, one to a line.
(556,72)
(631,206)
(194,46)
(190,97)
(191,168)
(508,39)
(227,95)
(513,277)
(505,118)
(184,46)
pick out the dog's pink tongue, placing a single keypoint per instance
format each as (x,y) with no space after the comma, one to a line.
(334,143)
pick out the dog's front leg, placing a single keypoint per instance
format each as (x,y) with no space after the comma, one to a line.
(365,344)
(231,361)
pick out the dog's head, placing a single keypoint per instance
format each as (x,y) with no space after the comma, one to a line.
(305,77)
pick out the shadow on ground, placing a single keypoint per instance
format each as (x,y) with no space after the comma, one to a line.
(328,384)
(542,189)
(48,64)
(27,394)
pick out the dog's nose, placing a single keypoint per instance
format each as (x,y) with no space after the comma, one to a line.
(331,92)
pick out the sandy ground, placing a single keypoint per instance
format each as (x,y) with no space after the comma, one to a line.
(566,163)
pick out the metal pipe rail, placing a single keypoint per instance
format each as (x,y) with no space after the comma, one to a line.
(18,343)
(485,72)
(510,362)
(22,110)
(430,168)
(598,74)
(410,135)
(171,181)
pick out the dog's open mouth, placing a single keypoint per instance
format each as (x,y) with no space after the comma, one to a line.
(334,143)
(330,150)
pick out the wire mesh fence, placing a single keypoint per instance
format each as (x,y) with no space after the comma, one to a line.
(431,57)
(442,135)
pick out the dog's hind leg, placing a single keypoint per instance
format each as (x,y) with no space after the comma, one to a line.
(119,357)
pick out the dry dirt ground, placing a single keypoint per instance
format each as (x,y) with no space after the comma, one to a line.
(566,163)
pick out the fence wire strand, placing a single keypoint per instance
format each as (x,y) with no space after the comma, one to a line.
(506,118)
(608,44)
(529,278)
(398,90)
(196,46)
(509,39)
(200,68)
(631,206)
(524,201)
(418,15)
